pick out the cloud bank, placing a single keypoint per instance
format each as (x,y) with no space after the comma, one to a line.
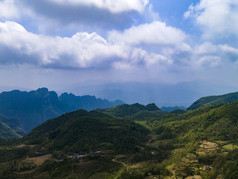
(119,50)
(121,39)
(116,6)
(82,50)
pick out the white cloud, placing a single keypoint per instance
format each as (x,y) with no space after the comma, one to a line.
(149,58)
(8,9)
(209,48)
(216,17)
(138,56)
(121,51)
(82,50)
(154,33)
(209,61)
(115,6)
(212,55)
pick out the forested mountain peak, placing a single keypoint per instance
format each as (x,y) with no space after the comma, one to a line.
(213,100)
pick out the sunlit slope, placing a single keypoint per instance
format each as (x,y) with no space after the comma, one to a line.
(213,100)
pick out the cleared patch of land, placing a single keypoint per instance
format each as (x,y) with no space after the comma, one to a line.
(194,177)
(38,160)
(206,148)
(230,147)
(25,146)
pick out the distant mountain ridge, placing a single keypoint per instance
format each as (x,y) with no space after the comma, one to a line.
(126,109)
(173,108)
(86,102)
(213,100)
(34,107)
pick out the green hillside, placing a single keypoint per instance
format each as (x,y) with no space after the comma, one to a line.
(147,115)
(7,132)
(98,138)
(128,110)
(207,123)
(145,143)
(206,137)
(213,100)
(13,123)
(85,131)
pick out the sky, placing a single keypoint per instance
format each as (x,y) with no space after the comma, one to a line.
(87,47)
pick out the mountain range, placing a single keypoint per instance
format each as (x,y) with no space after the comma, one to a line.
(212,100)
(25,110)
(34,107)
(129,141)
(162,94)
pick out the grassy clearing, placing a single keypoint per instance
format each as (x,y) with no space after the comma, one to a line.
(194,177)
(207,148)
(230,147)
(25,146)
(38,160)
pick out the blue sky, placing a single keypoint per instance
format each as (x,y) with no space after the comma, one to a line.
(70,44)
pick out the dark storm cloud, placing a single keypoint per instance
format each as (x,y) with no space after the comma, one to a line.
(90,15)
(9,56)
